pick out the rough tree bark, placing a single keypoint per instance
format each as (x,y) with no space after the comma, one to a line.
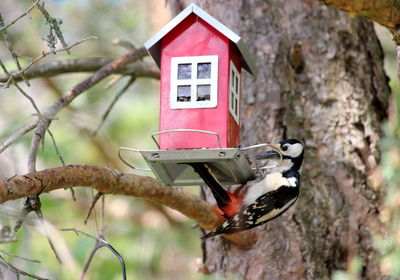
(322,81)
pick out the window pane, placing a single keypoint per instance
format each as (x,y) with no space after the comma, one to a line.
(232,80)
(184,71)
(203,92)
(183,94)
(231,100)
(236,107)
(236,84)
(204,71)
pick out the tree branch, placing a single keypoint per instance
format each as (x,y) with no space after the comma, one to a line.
(46,118)
(22,71)
(137,69)
(16,136)
(384,12)
(19,17)
(108,181)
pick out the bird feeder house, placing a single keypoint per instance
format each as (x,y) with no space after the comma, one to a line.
(201,63)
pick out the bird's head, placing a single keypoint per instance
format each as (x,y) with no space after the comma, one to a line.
(292,154)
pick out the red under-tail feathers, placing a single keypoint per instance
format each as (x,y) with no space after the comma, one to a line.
(230,209)
(228,204)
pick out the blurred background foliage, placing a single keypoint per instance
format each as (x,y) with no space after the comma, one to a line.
(156,242)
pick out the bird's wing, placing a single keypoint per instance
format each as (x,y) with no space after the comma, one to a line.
(264,209)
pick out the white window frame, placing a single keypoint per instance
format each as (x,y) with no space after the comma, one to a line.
(194,82)
(233,92)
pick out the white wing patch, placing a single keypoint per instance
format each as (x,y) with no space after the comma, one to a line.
(292,181)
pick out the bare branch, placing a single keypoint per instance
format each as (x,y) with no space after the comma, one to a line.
(11,49)
(106,71)
(94,201)
(43,55)
(61,158)
(100,242)
(56,146)
(21,90)
(18,271)
(48,115)
(124,43)
(18,134)
(21,16)
(59,67)
(384,12)
(113,102)
(108,181)
(54,25)
(137,69)
(46,232)
(19,257)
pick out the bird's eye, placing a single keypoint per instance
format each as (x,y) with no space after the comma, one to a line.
(284,148)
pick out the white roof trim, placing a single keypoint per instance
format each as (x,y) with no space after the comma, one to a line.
(153,45)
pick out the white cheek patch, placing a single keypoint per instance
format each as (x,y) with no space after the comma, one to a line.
(295,150)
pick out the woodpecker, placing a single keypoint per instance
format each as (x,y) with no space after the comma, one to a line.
(268,198)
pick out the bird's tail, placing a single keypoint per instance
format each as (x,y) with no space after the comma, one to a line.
(228,203)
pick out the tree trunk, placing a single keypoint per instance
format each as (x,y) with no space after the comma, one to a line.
(322,81)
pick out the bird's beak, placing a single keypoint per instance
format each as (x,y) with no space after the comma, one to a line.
(272,154)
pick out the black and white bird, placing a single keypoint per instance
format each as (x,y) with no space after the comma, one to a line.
(264,200)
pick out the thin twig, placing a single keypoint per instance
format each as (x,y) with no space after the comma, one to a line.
(18,134)
(93,204)
(113,102)
(100,242)
(19,257)
(61,159)
(43,55)
(54,25)
(32,203)
(47,235)
(113,81)
(28,97)
(19,271)
(21,16)
(124,43)
(56,146)
(102,219)
(11,49)
(21,90)
(48,115)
